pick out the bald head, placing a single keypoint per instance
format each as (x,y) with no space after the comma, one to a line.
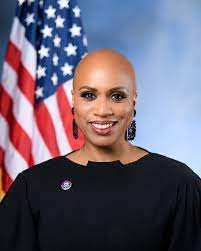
(106,65)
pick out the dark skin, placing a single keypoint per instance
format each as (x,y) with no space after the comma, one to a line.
(104,70)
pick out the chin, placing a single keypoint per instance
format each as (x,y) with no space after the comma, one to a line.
(107,142)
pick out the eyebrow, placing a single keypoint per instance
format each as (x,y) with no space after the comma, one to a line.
(112,89)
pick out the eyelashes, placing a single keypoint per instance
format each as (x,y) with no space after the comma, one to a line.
(90,96)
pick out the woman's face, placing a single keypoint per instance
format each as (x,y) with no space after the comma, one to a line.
(103,94)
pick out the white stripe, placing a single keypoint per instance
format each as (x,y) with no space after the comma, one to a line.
(40,151)
(28,52)
(62,140)
(22,109)
(14,162)
(4,132)
(29,58)
(68,86)
(17,33)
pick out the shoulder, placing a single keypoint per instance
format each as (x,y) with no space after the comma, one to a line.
(43,169)
(46,176)
(173,169)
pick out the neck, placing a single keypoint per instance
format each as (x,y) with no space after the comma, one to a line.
(106,153)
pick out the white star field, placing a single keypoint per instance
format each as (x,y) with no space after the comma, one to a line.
(58,41)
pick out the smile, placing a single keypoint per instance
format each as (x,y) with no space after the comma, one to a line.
(102,129)
(102,126)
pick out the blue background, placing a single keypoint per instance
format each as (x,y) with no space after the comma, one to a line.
(162,38)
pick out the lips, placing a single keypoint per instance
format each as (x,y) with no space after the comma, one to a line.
(101,129)
(103,125)
(103,122)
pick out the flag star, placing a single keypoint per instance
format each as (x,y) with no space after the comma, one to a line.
(71,49)
(75,30)
(30,2)
(54,79)
(40,71)
(57,41)
(43,52)
(55,59)
(63,4)
(41,3)
(50,12)
(76,11)
(39,92)
(20,2)
(29,18)
(67,69)
(47,31)
(59,21)
(39,22)
(84,40)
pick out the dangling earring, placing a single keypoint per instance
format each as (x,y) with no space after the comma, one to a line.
(131,131)
(75,127)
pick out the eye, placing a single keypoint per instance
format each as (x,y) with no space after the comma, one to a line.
(90,96)
(87,95)
(118,96)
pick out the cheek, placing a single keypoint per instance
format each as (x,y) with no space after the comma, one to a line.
(125,112)
(83,111)
(82,107)
(80,113)
(127,116)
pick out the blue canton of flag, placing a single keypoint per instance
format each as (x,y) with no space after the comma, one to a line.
(55,30)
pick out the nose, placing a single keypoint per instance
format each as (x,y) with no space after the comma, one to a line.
(103,107)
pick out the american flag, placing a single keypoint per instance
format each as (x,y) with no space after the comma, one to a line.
(46,43)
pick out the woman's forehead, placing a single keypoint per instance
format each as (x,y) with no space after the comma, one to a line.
(104,67)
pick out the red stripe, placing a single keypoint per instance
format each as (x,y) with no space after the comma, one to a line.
(1,156)
(17,135)
(67,117)
(46,128)
(13,55)
(6,180)
(25,81)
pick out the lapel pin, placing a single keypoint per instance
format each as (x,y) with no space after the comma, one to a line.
(66,184)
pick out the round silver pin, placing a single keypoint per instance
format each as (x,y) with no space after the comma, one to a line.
(66,184)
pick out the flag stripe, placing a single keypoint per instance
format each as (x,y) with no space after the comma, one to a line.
(52,107)
(9,77)
(17,34)
(6,180)
(13,55)
(17,135)
(4,140)
(68,87)
(21,105)
(67,121)
(46,128)
(28,124)
(40,150)
(28,53)
(1,156)
(12,156)
(23,78)
(64,98)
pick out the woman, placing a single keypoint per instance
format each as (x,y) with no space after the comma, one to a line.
(109,194)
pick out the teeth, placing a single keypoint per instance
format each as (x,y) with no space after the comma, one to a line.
(104,126)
